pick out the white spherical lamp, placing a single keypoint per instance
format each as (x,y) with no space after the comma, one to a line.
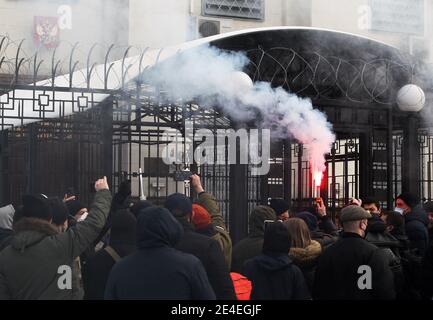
(410,98)
(240,82)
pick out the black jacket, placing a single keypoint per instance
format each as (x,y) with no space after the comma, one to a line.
(123,239)
(275,278)
(416,229)
(427,273)
(337,271)
(6,236)
(210,254)
(157,270)
(252,245)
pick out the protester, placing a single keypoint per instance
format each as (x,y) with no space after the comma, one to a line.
(122,243)
(208,219)
(323,238)
(325,223)
(427,264)
(157,270)
(205,248)
(304,251)
(372,205)
(416,221)
(347,268)
(60,215)
(39,257)
(77,210)
(6,221)
(281,208)
(252,245)
(394,222)
(139,206)
(272,273)
(428,207)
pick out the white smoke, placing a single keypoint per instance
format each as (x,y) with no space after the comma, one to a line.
(205,75)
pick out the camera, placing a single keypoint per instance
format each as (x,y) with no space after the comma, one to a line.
(182,175)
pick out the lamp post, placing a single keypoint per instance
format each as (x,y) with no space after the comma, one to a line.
(411,100)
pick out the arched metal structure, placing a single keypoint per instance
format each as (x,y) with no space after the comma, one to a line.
(67,119)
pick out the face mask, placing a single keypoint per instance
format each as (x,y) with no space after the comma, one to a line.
(399,210)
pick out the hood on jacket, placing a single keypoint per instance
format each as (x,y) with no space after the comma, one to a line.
(7,216)
(417,213)
(306,255)
(257,220)
(272,263)
(310,219)
(30,231)
(156,227)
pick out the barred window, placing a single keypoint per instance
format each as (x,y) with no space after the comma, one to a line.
(247,9)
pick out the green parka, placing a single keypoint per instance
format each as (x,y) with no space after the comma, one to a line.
(38,263)
(209,202)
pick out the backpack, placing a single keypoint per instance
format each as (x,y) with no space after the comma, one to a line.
(242,285)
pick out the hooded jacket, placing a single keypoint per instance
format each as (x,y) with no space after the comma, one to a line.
(220,232)
(97,268)
(306,259)
(251,246)
(416,229)
(322,229)
(209,252)
(157,270)
(39,258)
(273,274)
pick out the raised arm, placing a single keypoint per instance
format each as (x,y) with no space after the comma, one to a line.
(209,202)
(78,238)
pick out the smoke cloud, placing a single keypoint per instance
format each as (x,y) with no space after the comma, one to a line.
(212,77)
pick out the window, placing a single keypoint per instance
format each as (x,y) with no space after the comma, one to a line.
(247,9)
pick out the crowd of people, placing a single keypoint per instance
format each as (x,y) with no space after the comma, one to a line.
(117,249)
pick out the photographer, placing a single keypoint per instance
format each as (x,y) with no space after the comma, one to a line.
(37,264)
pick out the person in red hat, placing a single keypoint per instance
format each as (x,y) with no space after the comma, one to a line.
(208,219)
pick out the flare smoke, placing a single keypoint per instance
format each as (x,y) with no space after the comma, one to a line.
(205,75)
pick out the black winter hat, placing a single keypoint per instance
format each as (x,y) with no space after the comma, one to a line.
(178,204)
(139,206)
(410,199)
(59,211)
(74,206)
(279,205)
(277,239)
(309,218)
(36,206)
